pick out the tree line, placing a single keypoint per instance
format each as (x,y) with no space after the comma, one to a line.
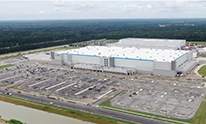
(26,35)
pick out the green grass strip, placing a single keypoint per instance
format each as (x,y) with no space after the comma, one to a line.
(5,66)
(201,55)
(196,42)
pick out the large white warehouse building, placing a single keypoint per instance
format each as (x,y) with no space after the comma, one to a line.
(151,43)
(127,60)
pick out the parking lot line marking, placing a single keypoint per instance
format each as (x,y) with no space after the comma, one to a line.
(4,74)
(48,88)
(65,87)
(9,77)
(83,91)
(39,82)
(104,94)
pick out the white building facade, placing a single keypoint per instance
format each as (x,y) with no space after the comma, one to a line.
(127,60)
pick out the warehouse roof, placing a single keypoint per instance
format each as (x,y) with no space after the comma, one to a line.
(145,45)
(142,40)
(129,53)
(150,43)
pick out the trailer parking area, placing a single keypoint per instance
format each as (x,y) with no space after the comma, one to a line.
(163,98)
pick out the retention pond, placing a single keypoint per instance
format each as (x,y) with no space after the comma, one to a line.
(32,116)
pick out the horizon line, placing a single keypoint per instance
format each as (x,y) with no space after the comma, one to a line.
(97,19)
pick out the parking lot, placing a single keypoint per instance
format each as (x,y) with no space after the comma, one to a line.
(11,75)
(52,80)
(172,99)
(177,97)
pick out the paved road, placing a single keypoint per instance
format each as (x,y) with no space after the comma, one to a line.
(198,67)
(10,54)
(90,109)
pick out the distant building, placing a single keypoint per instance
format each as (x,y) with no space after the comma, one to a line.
(150,43)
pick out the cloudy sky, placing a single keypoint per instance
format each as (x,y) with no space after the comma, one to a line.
(99,9)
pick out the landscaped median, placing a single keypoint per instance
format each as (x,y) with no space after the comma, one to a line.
(199,118)
(202,71)
(63,111)
(5,66)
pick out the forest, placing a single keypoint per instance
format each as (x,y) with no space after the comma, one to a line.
(26,35)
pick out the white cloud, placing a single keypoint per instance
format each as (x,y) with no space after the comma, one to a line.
(130,7)
(74,6)
(26,12)
(149,6)
(59,3)
(102,9)
(41,12)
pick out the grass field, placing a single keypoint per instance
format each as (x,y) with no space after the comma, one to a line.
(202,71)
(9,56)
(5,66)
(200,116)
(63,111)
